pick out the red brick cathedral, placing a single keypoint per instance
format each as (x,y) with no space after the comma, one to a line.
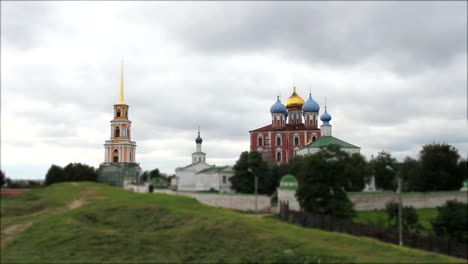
(288,130)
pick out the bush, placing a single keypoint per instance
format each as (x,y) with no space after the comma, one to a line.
(410,217)
(452,221)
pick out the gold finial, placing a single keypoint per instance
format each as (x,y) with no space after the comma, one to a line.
(121,99)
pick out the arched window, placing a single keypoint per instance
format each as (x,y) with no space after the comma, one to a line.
(260,142)
(118,113)
(314,139)
(224,179)
(199,158)
(278,156)
(117,132)
(126,113)
(128,132)
(116,155)
(278,141)
(296,141)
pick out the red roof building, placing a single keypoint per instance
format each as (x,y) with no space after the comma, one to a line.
(293,126)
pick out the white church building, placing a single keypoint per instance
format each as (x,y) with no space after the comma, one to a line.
(327,139)
(201,176)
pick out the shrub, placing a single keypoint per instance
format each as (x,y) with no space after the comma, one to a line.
(452,221)
(410,217)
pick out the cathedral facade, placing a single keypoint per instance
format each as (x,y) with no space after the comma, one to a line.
(292,127)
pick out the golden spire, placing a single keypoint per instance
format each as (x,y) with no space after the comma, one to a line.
(121,99)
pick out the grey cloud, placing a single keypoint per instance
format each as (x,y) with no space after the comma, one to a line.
(26,23)
(400,34)
(221,66)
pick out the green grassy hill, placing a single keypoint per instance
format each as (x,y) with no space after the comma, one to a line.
(89,222)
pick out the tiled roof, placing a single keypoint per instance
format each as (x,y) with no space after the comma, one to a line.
(287,127)
(328,140)
(217,169)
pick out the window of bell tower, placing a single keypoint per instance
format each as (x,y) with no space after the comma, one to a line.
(117,132)
(118,113)
(116,155)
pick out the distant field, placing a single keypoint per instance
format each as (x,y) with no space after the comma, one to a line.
(379,217)
(93,223)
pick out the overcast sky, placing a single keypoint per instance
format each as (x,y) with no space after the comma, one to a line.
(394,75)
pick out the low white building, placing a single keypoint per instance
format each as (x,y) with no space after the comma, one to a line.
(201,176)
(327,139)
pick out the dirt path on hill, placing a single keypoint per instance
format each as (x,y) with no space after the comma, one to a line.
(11,231)
(76,203)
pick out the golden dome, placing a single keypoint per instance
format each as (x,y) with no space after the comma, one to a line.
(294,101)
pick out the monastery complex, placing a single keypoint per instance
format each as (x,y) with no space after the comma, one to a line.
(294,130)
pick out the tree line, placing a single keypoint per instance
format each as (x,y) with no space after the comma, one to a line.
(325,177)
(72,172)
(439,167)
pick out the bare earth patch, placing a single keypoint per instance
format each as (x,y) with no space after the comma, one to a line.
(10,232)
(75,204)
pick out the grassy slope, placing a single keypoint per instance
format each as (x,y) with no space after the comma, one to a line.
(379,217)
(119,226)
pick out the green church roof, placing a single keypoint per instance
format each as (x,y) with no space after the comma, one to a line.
(288,178)
(288,182)
(225,169)
(329,140)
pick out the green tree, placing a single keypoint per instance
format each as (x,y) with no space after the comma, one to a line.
(155,174)
(452,221)
(79,172)
(243,180)
(384,178)
(410,217)
(411,174)
(322,180)
(145,176)
(55,174)
(440,168)
(463,169)
(2,178)
(357,171)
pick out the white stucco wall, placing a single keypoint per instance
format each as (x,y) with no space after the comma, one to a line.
(240,202)
(288,196)
(371,201)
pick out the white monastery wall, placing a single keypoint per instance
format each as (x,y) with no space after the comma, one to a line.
(370,201)
(240,202)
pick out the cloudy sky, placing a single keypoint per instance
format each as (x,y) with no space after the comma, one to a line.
(394,75)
